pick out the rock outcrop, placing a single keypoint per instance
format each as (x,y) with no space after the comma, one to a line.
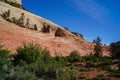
(16,1)
(56,39)
(41,23)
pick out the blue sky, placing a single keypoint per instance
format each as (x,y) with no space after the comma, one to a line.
(91,18)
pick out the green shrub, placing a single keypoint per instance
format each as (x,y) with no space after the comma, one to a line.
(84,69)
(34,63)
(83,76)
(74,56)
(100,77)
(20,73)
(115,73)
(61,60)
(45,56)
(52,71)
(5,64)
(4,58)
(104,67)
(67,73)
(98,48)
(90,58)
(97,51)
(115,50)
(29,53)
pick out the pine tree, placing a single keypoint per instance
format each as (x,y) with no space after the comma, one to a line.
(98,47)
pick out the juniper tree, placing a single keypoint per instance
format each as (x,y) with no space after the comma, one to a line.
(27,23)
(21,20)
(98,47)
(35,27)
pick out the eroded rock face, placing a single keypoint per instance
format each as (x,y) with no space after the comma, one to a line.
(60,33)
(16,1)
(59,39)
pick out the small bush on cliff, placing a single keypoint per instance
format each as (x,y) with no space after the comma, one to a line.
(46,28)
(6,15)
(66,28)
(14,20)
(35,27)
(21,20)
(78,34)
(27,23)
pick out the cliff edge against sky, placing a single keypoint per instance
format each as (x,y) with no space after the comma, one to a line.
(57,39)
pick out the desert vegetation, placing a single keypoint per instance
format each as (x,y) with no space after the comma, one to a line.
(6,15)
(35,63)
(24,22)
(115,50)
(21,21)
(46,28)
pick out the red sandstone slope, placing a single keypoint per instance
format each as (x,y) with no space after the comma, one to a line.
(12,36)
